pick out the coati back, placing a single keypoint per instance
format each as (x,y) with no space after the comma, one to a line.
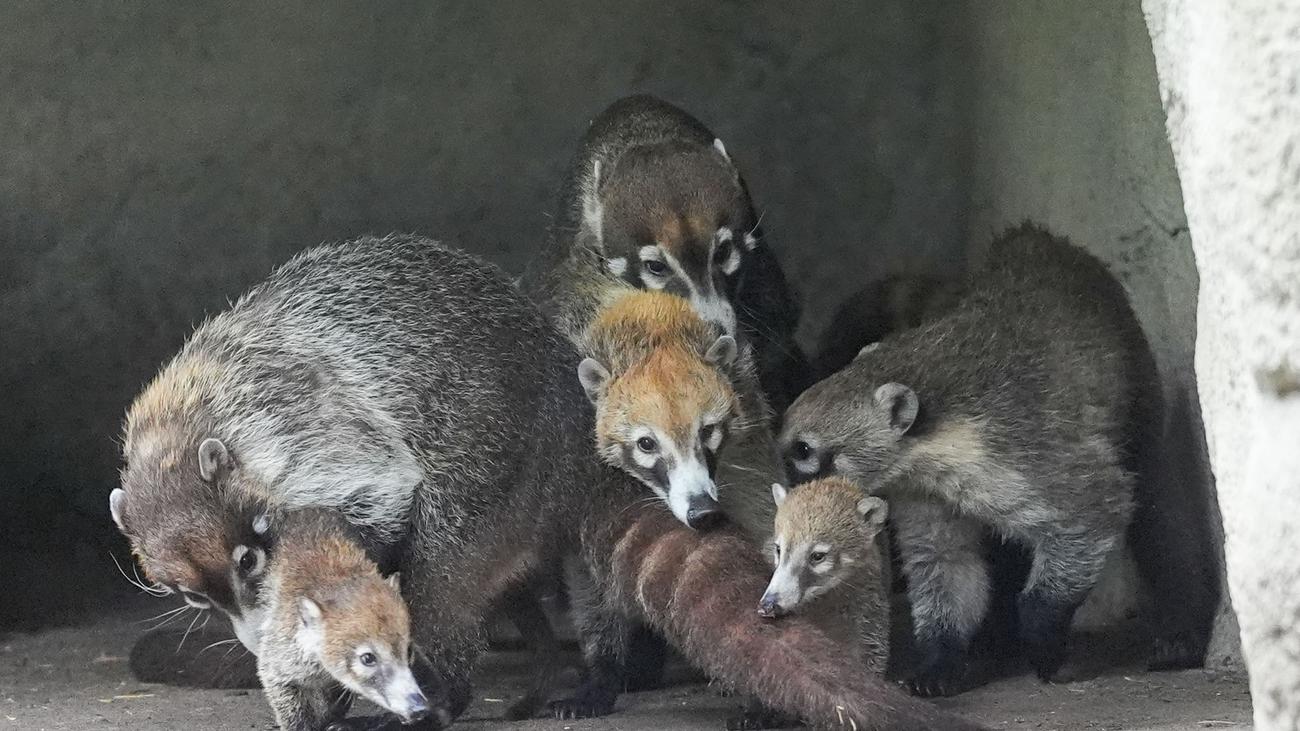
(652,200)
(672,395)
(334,627)
(1016,409)
(481,389)
(831,565)
(883,307)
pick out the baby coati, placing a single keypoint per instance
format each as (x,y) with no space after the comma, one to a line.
(831,564)
(332,621)
(413,389)
(672,395)
(1018,409)
(653,200)
(882,307)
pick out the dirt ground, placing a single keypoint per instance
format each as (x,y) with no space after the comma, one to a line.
(77,679)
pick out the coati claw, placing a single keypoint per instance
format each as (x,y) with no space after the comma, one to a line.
(584,704)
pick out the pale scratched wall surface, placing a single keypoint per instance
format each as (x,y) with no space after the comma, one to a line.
(1068,130)
(1230,75)
(161,157)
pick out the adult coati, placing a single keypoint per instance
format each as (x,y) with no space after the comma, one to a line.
(652,199)
(1024,408)
(414,390)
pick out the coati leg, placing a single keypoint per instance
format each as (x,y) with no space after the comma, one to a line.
(300,708)
(758,716)
(1066,567)
(647,651)
(948,587)
(605,634)
(525,611)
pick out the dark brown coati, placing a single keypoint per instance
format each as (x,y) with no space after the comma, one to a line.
(413,389)
(652,199)
(1023,408)
(886,306)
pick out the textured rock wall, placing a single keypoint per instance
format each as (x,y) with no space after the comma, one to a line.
(1067,129)
(1230,82)
(160,157)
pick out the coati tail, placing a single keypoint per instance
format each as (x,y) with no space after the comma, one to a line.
(702,589)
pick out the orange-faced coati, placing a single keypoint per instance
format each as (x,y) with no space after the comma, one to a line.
(1023,409)
(653,200)
(413,389)
(831,565)
(334,627)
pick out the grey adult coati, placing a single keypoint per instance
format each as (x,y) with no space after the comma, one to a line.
(1024,408)
(414,390)
(652,199)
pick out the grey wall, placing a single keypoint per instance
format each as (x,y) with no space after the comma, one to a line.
(160,157)
(1067,129)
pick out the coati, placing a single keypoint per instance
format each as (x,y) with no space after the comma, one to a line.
(1019,409)
(413,389)
(672,395)
(830,564)
(332,621)
(885,306)
(653,200)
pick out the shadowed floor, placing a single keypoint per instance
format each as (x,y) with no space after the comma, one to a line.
(77,678)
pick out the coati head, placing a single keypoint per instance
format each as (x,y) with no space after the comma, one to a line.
(360,632)
(659,377)
(842,426)
(196,521)
(825,531)
(671,216)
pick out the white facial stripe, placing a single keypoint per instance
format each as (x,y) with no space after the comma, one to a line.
(723,235)
(717,311)
(750,242)
(593,212)
(688,479)
(617,266)
(784,586)
(400,691)
(248,628)
(715,438)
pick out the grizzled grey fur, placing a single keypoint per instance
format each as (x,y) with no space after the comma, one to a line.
(1020,409)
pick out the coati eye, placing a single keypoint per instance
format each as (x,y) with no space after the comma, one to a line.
(249,560)
(723,252)
(802,450)
(776,549)
(647,444)
(368,659)
(655,267)
(707,433)
(817,556)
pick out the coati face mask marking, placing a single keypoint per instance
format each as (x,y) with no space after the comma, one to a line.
(827,433)
(665,423)
(817,544)
(210,553)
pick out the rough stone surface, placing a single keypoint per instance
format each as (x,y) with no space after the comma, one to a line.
(1230,83)
(1067,129)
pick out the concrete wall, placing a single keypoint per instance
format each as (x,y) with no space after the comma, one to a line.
(1230,81)
(1068,130)
(160,157)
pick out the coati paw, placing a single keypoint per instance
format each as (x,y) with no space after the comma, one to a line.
(437,721)
(1176,652)
(936,680)
(586,703)
(1046,659)
(756,719)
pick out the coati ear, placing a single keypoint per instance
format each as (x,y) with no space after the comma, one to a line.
(723,352)
(395,580)
(593,377)
(867,349)
(310,613)
(779,493)
(117,506)
(900,403)
(593,212)
(214,459)
(873,511)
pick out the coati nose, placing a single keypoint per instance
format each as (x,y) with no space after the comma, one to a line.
(417,708)
(704,513)
(769,607)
